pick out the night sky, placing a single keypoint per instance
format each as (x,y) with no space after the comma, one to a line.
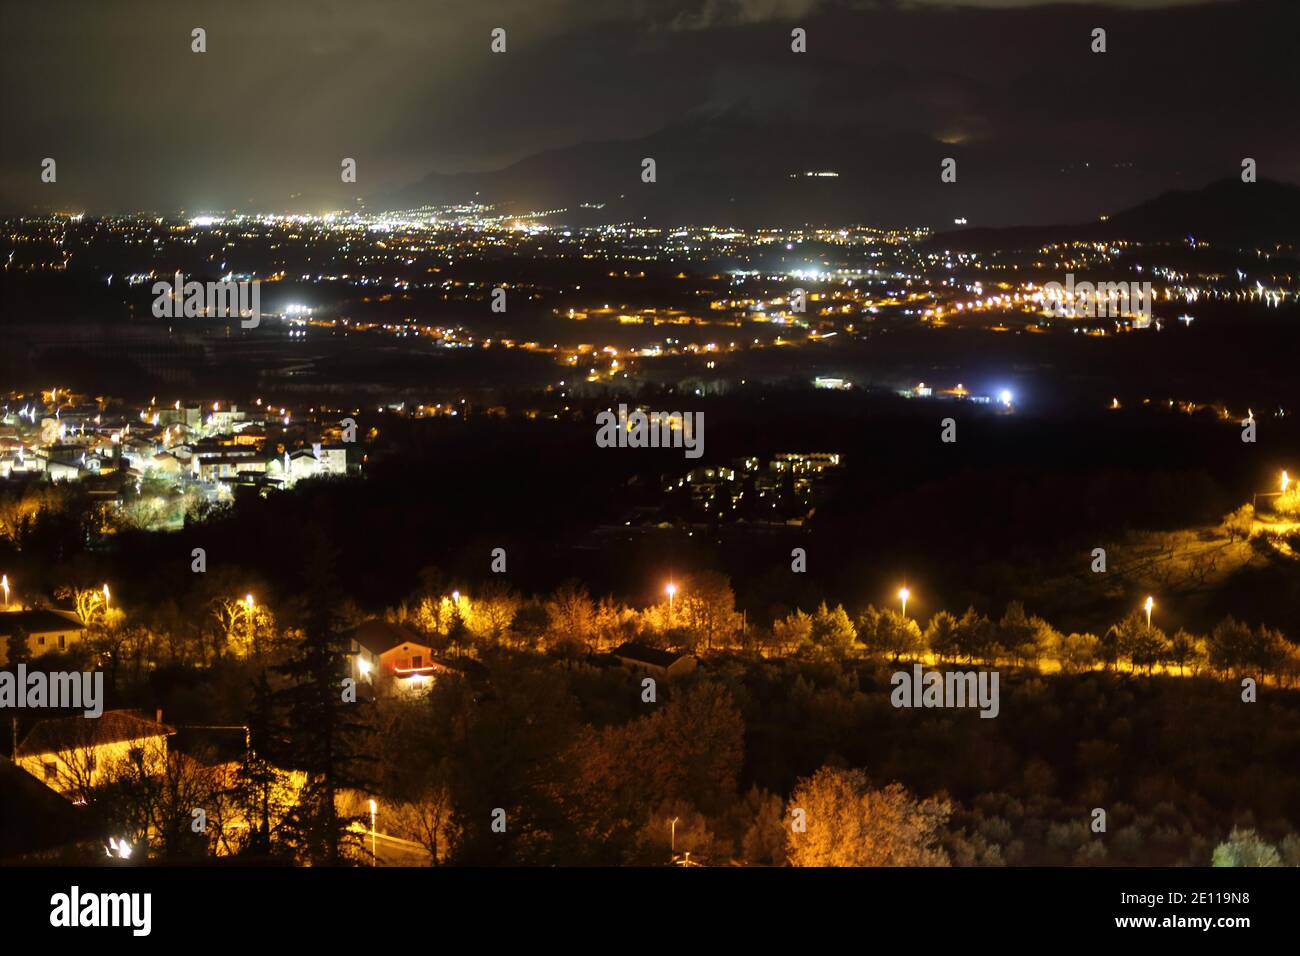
(137,121)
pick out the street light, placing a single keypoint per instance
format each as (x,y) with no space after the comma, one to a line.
(105,597)
(1149,605)
(248,613)
(4,583)
(672,850)
(1286,482)
(670,590)
(903,595)
(374,857)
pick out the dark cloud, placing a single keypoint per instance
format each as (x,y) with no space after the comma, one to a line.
(288,89)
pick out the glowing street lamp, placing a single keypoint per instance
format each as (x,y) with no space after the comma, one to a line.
(374,857)
(1286,482)
(105,597)
(4,583)
(673,846)
(671,591)
(903,595)
(1150,603)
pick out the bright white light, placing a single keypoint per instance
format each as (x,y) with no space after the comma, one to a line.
(1005,397)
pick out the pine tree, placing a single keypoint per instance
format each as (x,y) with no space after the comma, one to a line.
(325,723)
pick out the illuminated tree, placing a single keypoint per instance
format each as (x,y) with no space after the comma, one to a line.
(1245,848)
(1078,652)
(975,636)
(832,630)
(942,636)
(245,627)
(848,823)
(706,607)
(792,631)
(888,632)
(765,837)
(1185,650)
(429,820)
(1228,646)
(572,612)
(1239,523)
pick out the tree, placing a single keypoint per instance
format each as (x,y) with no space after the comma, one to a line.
(1015,633)
(942,636)
(708,608)
(764,838)
(17,648)
(889,632)
(791,632)
(1184,650)
(1245,848)
(1239,523)
(832,630)
(1229,645)
(531,622)
(572,613)
(975,636)
(1078,652)
(262,795)
(848,823)
(429,820)
(325,726)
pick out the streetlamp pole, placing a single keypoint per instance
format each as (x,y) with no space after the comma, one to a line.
(374,853)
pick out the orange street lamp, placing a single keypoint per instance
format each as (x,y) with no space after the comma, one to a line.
(671,591)
(4,583)
(1286,482)
(903,595)
(105,597)
(1149,605)
(673,846)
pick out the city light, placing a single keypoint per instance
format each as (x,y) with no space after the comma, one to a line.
(903,595)
(1150,603)
(1286,482)
(4,583)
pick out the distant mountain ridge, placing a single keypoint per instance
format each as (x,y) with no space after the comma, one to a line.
(738,167)
(1225,210)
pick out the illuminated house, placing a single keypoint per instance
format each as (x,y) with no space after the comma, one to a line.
(73,755)
(47,631)
(651,660)
(384,648)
